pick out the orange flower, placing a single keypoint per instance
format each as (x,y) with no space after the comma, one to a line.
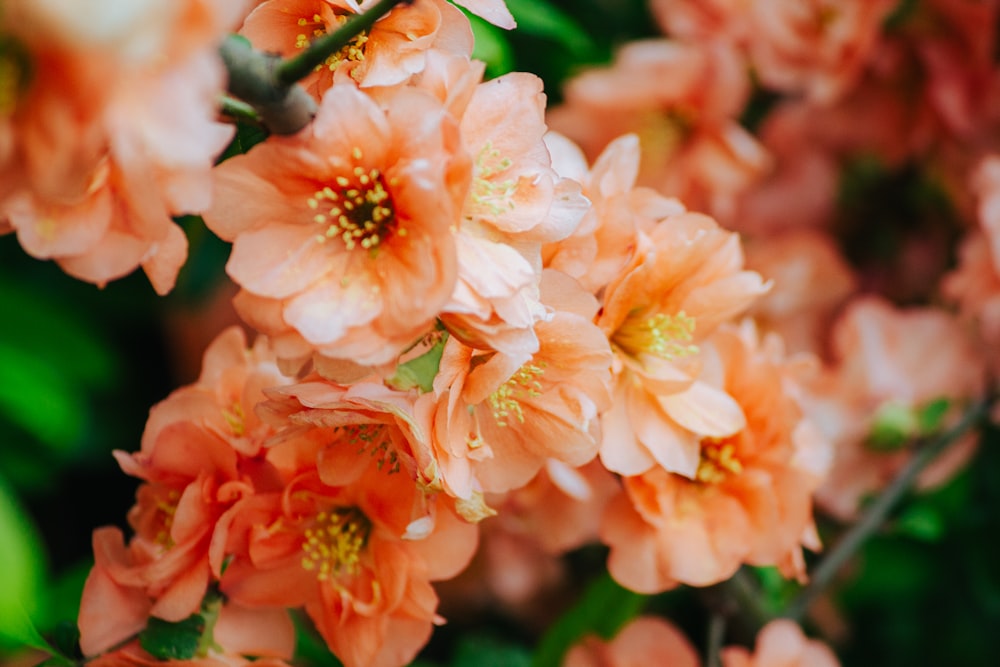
(818,47)
(516,202)
(389,54)
(781,643)
(607,236)
(195,466)
(109,135)
(888,365)
(749,500)
(684,280)
(681,99)
(342,233)
(811,282)
(354,555)
(646,640)
(497,418)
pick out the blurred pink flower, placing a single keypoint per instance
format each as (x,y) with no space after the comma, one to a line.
(682,100)
(645,640)
(781,643)
(888,363)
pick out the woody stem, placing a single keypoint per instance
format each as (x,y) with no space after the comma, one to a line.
(288,71)
(875,515)
(266,82)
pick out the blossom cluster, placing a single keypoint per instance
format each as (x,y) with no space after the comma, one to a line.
(489,332)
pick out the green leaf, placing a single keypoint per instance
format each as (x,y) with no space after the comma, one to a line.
(486,651)
(921,521)
(419,371)
(492,47)
(20,576)
(893,426)
(930,416)
(542,19)
(173,641)
(603,609)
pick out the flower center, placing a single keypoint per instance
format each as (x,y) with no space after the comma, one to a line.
(14,70)
(718,461)
(358,211)
(334,541)
(662,335)
(506,401)
(314,27)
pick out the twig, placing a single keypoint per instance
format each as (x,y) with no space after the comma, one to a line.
(876,514)
(293,69)
(716,634)
(267,83)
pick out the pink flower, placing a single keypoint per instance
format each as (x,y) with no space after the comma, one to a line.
(811,281)
(516,202)
(685,279)
(607,236)
(498,417)
(749,500)
(781,643)
(196,461)
(681,99)
(342,234)
(888,365)
(113,140)
(646,640)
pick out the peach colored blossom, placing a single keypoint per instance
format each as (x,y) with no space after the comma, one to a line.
(888,359)
(342,238)
(811,281)
(818,47)
(725,20)
(387,55)
(349,555)
(645,640)
(341,429)
(516,203)
(781,643)
(685,279)
(681,99)
(498,417)
(113,140)
(975,284)
(603,242)
(750,498)
(494,11)
(802,188)
(194,464)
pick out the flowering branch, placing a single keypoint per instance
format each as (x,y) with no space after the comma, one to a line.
(878,511)
(266,82)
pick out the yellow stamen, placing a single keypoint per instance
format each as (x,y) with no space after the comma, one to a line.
(506,401)
(718,461)
(334,542)
(662,335)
